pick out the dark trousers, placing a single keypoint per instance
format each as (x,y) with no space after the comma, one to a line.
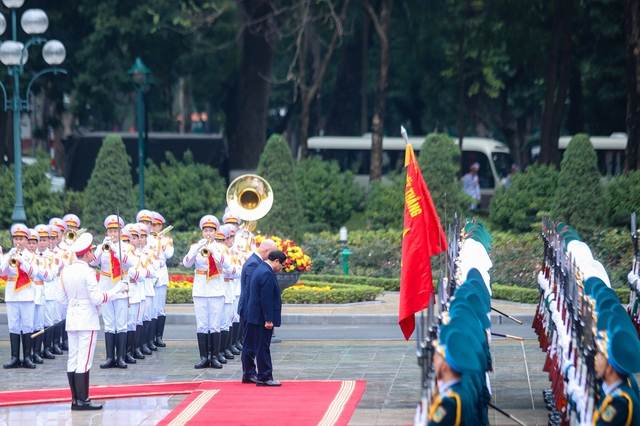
(248,351)
(262,339)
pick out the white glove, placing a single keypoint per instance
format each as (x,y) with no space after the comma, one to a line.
(203,242)
(107,240)
(12,252)
(632,277)
(158,263)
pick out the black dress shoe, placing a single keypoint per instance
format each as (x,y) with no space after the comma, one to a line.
(251,380)
(268,383)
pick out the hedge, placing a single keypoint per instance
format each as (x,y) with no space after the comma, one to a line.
(338,293)
(389,284)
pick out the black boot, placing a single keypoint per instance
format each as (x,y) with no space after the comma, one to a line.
(225,345)
(144,348)
(37,349)
(14,338)
(219,342)
(121,345)
(240,334)
(213,341)
(234,338)
(65,337)
(81,381)
(136,350)
(48,342)
(160,332)
(152,334)
(202,346)
(128,357)
(57,331)
(72,385)
(26,351)
(110,342)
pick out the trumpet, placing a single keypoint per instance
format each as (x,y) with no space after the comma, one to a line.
(14,259)
(71,236)
(161,233)
(204,251)
(106,246)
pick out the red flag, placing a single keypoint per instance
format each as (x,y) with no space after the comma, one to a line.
(212,270)
(115,267)
(422,238)
(22,279)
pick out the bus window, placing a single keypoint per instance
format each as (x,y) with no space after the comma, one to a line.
(611,162)
(485,174)
(503,162)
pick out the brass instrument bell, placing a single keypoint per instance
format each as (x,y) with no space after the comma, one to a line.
(250,196)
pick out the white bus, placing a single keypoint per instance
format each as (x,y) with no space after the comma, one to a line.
(354,153)
(609,149)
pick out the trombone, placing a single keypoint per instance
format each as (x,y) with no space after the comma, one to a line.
(163,232)
(71,236)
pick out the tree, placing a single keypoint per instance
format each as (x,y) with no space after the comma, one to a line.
(382,24)
(632,43)
(110,187)
(579,200)
(184,191)
(277,167)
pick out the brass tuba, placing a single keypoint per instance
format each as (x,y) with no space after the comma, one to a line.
(251,197)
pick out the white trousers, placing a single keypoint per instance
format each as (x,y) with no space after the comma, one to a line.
(143,304)
(114,314)
(227,316)
(82,348)
(160,300)
(132,319)
(208,313)
(20,316)
(38,318)
(149,309)
(236,316)
(51,315)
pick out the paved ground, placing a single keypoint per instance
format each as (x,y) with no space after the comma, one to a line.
(320,347)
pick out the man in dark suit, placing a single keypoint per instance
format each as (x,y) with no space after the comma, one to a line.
(248,349)
(263,313)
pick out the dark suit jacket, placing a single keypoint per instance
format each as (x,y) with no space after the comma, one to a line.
(245,278)
(264,302)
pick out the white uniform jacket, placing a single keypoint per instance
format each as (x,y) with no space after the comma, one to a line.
(203,286)
(79,292)
(26,293)
(103,259)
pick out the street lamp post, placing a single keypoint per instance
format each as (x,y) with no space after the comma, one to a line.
(344,234)
(142,83)
(14,55)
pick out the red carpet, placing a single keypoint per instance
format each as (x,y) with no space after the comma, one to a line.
(296,403)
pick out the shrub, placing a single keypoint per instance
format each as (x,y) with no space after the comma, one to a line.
(184,191)
(110,186)
(389,284)
(516,259)
(623,198)
(277,167)
(327,195)
(579,200)
(515,294)
(317,293)
(384,205)
(439,163)
(517,207)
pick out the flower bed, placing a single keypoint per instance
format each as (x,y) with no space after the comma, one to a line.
(296,260)
(323,292)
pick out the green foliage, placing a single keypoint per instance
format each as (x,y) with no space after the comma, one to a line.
(623,198)
(515,294)
(327,196)
(277,167)
(580,199)
(517,207)
(338,293)
(439,163)
(389,284)
(40,204)
(179,295)
(516,259)
(184,191)
(384,205)
(110,186)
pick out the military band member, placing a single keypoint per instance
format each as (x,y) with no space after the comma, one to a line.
(41,275)
(208,292)
(19,296)
(618,359)
(115,312)
(45,256)
(151,264)
(130,234)
(66,258)
(79,291)
(164,252)
(224,239)
(54,310)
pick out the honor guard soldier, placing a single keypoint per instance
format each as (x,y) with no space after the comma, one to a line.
(66,258)
(79,291)
(224,239)
(208,292)
(618,359)
(45,256)
(19,296)
(109,255)
(164,251)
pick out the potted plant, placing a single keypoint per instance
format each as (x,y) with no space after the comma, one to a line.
(296,263)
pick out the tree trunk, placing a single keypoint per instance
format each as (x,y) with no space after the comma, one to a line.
(575,115)
(557,81)
(632,36)
(462,98)
(381,25)
(364,76)
(247,125)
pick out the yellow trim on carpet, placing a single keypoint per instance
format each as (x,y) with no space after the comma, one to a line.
(192,409)
(336,407)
